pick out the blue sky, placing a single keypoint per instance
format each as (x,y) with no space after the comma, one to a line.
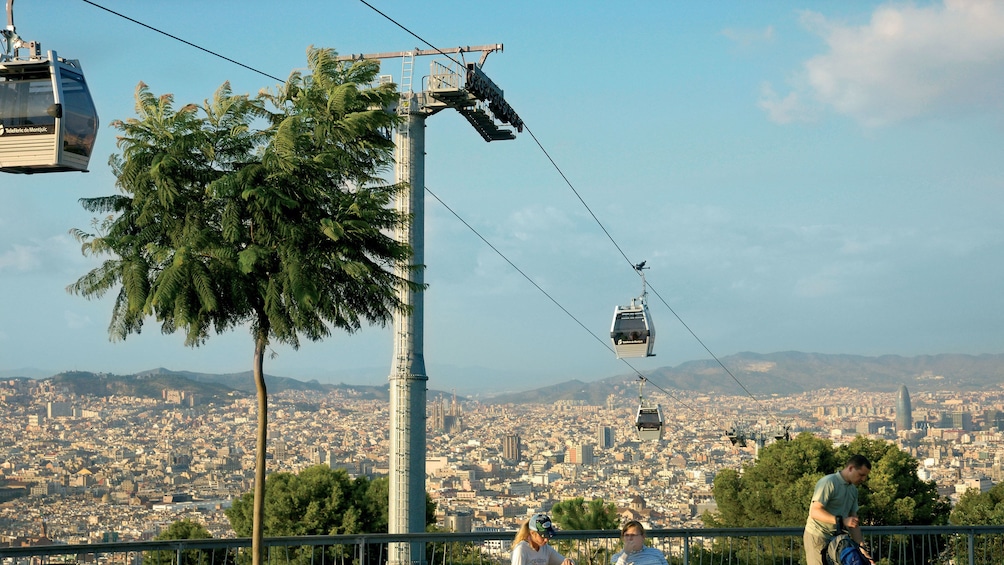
(811,176)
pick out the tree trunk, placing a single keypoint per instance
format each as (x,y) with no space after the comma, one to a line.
(258,518)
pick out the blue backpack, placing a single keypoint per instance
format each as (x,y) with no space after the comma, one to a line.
(843,550)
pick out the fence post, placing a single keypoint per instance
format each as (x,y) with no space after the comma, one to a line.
(972,553)
(686,549)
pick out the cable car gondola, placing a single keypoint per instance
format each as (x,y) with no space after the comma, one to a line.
(632,331)
(649,422)
(737,435)
(48,122)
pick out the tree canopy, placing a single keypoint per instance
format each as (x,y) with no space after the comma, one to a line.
(223,223)
(977,508)
(577,514)
(264,213)
(320,501)
(775,490)
(186,529)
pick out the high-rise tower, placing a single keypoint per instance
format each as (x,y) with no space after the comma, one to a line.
(604,437)
(904,413)
(511,448)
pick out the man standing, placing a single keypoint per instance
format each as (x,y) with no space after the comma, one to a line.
(635,551)
(834,508)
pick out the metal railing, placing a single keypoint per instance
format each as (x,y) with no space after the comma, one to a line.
(912,545)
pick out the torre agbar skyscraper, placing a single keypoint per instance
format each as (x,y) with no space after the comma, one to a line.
(904,413)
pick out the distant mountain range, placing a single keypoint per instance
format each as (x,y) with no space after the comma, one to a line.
(150,384)
(759,374)
(791,372)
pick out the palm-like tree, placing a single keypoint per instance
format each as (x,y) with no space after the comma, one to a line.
(266,212)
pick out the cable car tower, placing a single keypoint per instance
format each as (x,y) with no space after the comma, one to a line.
(632,331)
(48,122)
(465,88)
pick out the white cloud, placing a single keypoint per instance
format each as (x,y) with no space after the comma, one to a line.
(76,321)
(20,258)
(907,62)
(749,37)
(537,222)
(55,254)
(791,108)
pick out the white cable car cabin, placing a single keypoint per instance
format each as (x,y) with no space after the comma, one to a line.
(649,422)
(632,331)
(48,122)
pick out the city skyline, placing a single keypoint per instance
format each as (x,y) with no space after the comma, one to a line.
(749,373)
(798,177)
(96,470)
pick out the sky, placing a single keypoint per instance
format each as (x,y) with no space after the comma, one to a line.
(799,176)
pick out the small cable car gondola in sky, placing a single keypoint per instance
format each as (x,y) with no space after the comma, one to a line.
(648,420)
(48,122)
(632,331)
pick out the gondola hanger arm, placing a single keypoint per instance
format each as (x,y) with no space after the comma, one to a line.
(13,42)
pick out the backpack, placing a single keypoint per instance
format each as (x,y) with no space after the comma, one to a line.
(843,550)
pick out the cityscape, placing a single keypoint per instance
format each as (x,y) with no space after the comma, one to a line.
(87,469)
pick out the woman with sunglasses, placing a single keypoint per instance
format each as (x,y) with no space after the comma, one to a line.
(530,546)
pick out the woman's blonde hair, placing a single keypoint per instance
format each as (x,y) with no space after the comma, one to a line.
(521,534)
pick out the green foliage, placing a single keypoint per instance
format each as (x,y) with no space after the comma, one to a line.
(453,552)
(977,508)
(224,223)
(184,529)
(319,501)
(187,529)
(894,495)
(775,490)
(267,213)
(577,514)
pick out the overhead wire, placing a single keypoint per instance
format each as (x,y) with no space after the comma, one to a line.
(632,264)
(176,38)
(597,220)
(408,31)
(554,164)
(602,342)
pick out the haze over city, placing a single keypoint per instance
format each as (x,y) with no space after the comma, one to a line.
(808,177)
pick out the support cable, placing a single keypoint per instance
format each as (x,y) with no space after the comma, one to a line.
(602,342)
(598,222)
(176,38)
(520,271)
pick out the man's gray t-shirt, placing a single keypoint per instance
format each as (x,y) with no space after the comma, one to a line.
(838,497)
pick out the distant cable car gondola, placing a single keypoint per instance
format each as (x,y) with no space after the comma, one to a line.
(48,122)
(632,331)
(648,420)
(737,434)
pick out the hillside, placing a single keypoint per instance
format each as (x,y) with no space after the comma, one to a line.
(787,372)
(151,383)
(790,372)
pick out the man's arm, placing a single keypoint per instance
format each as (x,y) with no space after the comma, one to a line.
(819,513)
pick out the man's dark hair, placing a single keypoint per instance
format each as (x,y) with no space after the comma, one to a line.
(635,524)
(857,461)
